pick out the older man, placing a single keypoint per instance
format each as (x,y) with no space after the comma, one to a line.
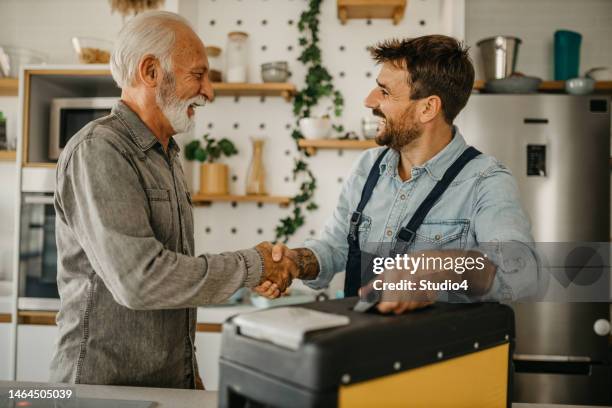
(128,279)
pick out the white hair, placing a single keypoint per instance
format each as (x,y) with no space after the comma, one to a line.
(151,32)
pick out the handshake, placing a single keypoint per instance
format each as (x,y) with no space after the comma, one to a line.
(281,265)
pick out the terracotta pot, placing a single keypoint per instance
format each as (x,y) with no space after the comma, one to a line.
(214,178)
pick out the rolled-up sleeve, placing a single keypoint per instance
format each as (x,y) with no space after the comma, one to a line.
(331,248)
(106,208)
(503,233)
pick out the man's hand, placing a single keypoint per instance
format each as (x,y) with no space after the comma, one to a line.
(398,302)
(307,267)
(279,269)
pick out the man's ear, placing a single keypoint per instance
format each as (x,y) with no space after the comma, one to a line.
(430,108)
(149,71)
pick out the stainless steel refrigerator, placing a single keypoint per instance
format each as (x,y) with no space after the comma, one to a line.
(558,149)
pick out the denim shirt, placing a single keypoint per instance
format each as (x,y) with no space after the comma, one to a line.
(128,279)
(480,207)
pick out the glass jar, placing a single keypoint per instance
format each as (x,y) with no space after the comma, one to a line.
(237,55)
(214,63)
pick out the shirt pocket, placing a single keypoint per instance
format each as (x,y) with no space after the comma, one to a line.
(161,213)
(442,234)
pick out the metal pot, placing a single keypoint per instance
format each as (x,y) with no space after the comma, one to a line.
(499,56)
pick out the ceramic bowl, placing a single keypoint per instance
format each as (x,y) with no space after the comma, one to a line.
(579,86)
(275,71)
(369,126)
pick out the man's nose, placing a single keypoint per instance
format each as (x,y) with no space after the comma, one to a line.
(371,101)
(207,90)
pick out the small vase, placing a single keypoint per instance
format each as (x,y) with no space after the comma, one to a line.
(213,179)
(256,176)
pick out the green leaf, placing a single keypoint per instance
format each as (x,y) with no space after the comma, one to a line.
(191,148)
(227,147)
(200,154)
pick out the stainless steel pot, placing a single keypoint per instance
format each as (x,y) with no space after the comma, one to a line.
(499,56)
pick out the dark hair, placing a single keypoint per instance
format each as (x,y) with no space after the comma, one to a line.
(436,64)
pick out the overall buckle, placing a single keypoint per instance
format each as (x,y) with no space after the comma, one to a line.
(406,235)
(404,239)
(355,221)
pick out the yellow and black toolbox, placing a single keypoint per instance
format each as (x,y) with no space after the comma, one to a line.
(446,355)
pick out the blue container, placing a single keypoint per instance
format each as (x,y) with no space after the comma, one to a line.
(567,54)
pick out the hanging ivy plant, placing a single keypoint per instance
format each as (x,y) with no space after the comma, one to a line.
(318,85)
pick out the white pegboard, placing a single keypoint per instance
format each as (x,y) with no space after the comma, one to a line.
(273,35)
(213,19)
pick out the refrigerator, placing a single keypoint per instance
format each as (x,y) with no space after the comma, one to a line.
(558,149)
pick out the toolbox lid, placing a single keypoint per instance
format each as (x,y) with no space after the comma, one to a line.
(372,344)
(286,326)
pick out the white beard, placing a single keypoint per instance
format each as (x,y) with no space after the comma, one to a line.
(175,109)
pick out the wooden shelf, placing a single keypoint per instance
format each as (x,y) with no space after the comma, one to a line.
(284,90)
(350,9)
(204,199)
(554,86)
(8,155)
(312,145)
(37,317)
(9,86)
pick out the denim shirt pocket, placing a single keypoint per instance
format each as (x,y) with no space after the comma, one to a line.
(442,234)
(161,213)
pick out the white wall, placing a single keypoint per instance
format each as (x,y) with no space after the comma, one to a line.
(535,21)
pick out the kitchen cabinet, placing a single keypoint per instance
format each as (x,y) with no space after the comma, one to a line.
(5,344)
(36,344)
(208,350)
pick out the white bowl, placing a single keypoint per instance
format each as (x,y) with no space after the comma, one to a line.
(315,128)
(579,86)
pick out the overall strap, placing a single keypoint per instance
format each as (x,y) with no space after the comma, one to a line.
(406,234)
(366,193)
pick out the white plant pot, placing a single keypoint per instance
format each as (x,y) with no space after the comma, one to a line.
(315,128)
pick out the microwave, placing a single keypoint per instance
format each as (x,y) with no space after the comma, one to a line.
(69,115)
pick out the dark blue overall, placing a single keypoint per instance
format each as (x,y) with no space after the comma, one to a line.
(355,268)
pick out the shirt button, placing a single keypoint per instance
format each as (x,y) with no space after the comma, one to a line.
(437,237)
(389,232)
(403,197)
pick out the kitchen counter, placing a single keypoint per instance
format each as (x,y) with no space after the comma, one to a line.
(166,398)
(210,318)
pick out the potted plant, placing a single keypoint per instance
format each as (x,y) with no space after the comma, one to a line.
(213,176)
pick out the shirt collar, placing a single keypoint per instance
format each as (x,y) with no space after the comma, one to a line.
(436,166)
(139,132)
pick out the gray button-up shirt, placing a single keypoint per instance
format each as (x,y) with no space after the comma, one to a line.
(128,279)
